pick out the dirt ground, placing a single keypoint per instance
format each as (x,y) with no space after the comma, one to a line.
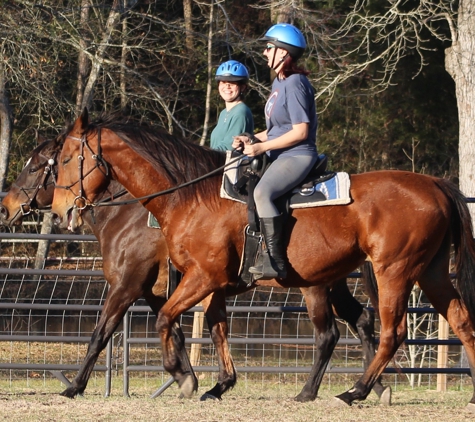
(240,405)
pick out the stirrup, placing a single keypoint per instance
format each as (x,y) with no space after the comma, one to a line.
(265,269)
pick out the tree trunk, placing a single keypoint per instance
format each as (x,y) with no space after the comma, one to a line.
(280,13)
(123,62)
(188,16)
(459,62)
(6,126)
(112,21)
(43,245)
(83,60)
(204,136)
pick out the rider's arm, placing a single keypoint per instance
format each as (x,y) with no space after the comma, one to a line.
(298,133)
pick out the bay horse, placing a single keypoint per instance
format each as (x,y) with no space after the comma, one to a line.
(143,271)
(404,223)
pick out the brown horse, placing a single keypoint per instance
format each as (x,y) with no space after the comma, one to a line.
(142,274)
(403,222)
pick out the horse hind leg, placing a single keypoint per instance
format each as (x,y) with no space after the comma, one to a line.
(446,300)
(326,337)
(393,297)
(361,320)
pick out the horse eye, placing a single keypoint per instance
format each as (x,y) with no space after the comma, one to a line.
(66,160)
(32,170)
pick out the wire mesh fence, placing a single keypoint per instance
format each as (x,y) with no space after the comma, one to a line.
(71,276)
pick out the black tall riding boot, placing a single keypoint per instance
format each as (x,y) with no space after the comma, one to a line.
(271,262)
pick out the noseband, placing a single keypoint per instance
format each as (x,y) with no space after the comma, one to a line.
(80,201)
(26,207)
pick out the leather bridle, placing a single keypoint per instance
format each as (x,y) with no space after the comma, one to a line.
(80,201)
(26,207)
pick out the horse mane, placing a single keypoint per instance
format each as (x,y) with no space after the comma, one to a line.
(168,154)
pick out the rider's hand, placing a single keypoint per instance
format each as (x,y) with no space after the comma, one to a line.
(252,150)
(240,141)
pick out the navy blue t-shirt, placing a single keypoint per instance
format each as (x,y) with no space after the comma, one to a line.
(291,102)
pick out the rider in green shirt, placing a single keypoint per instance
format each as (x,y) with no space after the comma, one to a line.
(236,118)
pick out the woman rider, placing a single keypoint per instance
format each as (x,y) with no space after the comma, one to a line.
(236,118)
(290,141)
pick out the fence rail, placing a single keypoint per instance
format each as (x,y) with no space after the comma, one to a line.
(129,340)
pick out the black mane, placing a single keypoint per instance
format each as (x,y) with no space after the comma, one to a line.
(177,159)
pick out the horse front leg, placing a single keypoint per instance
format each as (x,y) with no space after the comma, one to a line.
(326,337)
(215,311)
(117,302)
(361,320)
(192,289)
(156,303)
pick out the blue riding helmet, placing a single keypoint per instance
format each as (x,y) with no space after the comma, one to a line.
(232,71)
(288,37)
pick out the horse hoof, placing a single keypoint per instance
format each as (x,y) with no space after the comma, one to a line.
(70,393)
(471,407)
(301,398)
(207,396)
(386,396)
(188,388)
(337,402)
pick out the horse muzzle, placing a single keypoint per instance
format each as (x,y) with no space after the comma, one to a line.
(5,219)
(70,220)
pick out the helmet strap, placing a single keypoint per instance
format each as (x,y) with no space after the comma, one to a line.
(274,67)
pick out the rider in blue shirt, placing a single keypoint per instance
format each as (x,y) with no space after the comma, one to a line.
(290,141)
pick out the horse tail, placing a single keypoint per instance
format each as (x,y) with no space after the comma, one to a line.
(370,285)
(464,245)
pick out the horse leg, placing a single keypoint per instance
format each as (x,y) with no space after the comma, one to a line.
(326,337)
(361,320)
(192,289)
(393,296)
(215,311)
(447,302)
(117,302)
(156,304)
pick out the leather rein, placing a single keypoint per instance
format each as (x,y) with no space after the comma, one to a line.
(101,163)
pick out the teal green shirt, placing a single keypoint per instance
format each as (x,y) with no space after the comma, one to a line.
(231,123)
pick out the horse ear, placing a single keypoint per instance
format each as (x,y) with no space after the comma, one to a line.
(39,138)
(84,118)
(57,141)
(82,122)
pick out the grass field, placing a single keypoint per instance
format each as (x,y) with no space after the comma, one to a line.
(249,401)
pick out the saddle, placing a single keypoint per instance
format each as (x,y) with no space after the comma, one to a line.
(241,177)
(239,181)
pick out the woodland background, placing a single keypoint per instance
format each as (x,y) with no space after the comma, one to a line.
(385,99)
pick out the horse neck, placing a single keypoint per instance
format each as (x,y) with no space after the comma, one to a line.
(102,217)
(142,181)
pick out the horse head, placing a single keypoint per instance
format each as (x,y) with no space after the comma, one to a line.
(33,189)
(83,173)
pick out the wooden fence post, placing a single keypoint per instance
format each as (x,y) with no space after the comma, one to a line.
(442,353)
